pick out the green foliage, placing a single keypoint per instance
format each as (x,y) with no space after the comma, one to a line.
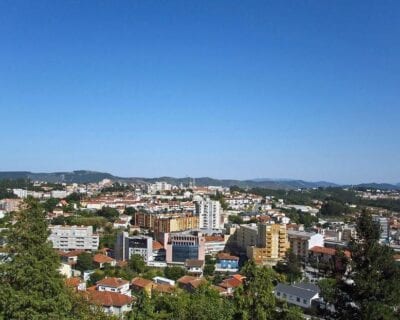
(74,197)
(6,185)
(203,304)
(220,197)
(85,262)
(50,204)
(255,299)
(31,286)
(291,267)
(328,289)
(374,293)
(209,269)
(235,219)
(108,213)
(137,264)
(174,272)
(334,208)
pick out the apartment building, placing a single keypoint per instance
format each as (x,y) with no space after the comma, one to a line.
(246,236)
(68,238)
(272,244)
(167,224)
(301,242)
(209,212)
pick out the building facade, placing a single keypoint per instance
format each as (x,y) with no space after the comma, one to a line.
(184,245)
(68,238)
(127,246)
(209,212)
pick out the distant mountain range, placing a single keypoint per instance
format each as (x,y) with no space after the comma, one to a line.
(85,176)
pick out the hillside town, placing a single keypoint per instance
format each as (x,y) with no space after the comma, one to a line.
(117,241)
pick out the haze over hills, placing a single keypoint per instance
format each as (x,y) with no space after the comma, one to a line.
(87,176)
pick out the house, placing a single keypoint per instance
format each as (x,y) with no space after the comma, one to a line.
(229,285)
(190,283)
(76,283)
(227,263)
(100,260)
(300,294)
(114,285)
(113,303)
(163,288)
(139,284)
(70,257)
(194,267)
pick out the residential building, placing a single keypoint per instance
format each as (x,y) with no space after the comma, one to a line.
(100,260)
(301,242)
(114,285)
(167,223)
(227,263)
(301,294)
(194,267)
(127,245)
(384,228)
(142,285)
(209,212)
(246,236)
(73,238)
(113,303)
(272,237)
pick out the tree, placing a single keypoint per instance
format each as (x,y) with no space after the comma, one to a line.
(333,208)
(85,262)
(31,286)
(291,267)
(110,214)
(174,272)
(255,300)
(137,264)
(371,290)
(209,269)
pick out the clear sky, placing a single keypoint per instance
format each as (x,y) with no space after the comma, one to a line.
(227,89)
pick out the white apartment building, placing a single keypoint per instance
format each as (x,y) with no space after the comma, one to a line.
(301,241)
(68,238)
(209,212)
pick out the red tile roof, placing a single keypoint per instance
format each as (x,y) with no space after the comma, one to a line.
(108,299)
(186,279)
(230,283)
(141,282)
(101,258)
(328,251)
(73,282)
(112,282)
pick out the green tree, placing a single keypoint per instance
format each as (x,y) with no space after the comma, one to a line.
(110,214)
(137,264)
(209,269)
(85,262)
(31,286)
(174,272)
(255,299)
(371,290)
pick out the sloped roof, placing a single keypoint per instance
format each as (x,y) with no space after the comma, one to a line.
(194,263)
(296,290)
(108,299)
(157,245)
(186,279)
(111,282)
(141,282)
(102,258)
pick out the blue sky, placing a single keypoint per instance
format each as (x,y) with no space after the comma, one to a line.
(227,89)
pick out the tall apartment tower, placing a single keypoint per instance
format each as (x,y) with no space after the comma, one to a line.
(209,212)
(384,228)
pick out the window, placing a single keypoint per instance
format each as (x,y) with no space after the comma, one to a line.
(298,299)
(304,301)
